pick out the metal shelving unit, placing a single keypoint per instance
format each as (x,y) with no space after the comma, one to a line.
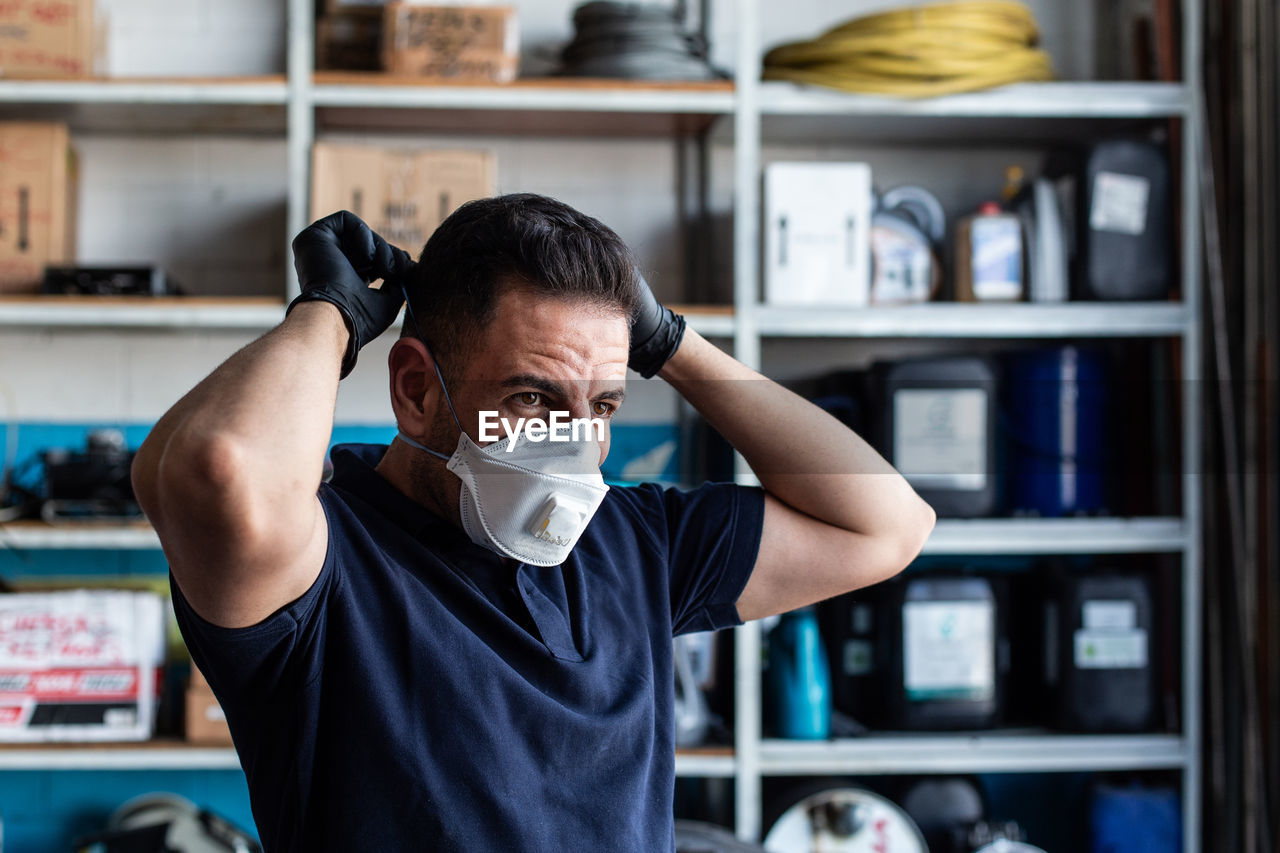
(989,752)
(955,320)
(781,113)
(175,755)
(232,314)
(951,536)
(1022,100)
(142,90)
(752,112)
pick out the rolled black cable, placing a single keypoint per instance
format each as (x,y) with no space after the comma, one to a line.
(633,41)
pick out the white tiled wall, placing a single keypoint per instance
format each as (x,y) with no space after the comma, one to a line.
(211,209)
(193,37)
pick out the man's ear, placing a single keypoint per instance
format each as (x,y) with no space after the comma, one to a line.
(415,388)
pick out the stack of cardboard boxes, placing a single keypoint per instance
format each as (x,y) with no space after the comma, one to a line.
(453,43)
(39,39)
(402,194)
(206,723)
(47,38)
(37,202)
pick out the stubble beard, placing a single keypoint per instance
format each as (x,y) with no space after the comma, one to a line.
(435,486)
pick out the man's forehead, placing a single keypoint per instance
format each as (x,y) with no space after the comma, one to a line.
(562,339)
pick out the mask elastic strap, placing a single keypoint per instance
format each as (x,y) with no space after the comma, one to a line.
(409,441)
(440,376)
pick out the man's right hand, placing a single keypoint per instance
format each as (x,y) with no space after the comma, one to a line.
(337,258)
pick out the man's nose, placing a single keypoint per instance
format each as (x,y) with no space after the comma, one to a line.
(580,409)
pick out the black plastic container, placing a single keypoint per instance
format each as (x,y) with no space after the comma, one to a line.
(927,653)
(939,430)
(1123,220)
(1099,644)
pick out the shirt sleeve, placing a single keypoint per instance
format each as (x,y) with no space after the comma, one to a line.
(280,653)
(713,538)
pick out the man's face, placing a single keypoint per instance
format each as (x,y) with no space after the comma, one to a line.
(539,355)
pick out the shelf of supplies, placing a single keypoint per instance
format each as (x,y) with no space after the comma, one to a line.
(711,321)
(1057,536)
(79,536)
(147,90)
(176,755)
(165,312)
(705,762)
(128,105)
(151,755)
(950,536)
(1021,100)
(1043,112)
(235,314)
(962,320)
(973,753)
(556,106)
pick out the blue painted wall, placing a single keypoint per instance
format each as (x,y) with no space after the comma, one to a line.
(46,810)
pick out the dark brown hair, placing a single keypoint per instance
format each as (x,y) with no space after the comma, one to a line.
(518,240)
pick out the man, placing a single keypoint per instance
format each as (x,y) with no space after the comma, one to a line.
(445,655)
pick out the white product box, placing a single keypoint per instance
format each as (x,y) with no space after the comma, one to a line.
(79,665)
(817,233)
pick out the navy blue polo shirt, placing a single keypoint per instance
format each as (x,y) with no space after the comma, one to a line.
(426,695)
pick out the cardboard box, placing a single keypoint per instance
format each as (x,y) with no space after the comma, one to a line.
(37,203)
(206,723)
(452,43)
(79,665)
(46,38)
(817,234)
(346,42)
(402,194)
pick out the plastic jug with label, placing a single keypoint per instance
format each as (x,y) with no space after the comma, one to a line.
(989,251)
(798,684)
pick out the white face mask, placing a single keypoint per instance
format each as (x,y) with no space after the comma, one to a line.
(530,503)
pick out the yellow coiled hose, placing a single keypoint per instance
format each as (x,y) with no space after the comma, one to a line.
(920,52)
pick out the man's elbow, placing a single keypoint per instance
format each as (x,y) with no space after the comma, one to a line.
(907,543)
(920,532)
(187,475)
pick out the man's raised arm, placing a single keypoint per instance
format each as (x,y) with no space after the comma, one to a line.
(229,475)
(837,516)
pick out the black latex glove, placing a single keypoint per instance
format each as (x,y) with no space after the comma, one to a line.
(336,259)
(656,332)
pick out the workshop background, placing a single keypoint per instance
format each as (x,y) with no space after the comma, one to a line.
(1027,250)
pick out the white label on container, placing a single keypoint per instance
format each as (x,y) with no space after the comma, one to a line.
(1109,615)
(119,718)
(857,657)
(1111,649)
(996,257)
(1119,203)
(940,437)
(948,650)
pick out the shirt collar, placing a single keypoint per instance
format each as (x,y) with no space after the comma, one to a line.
(354,470)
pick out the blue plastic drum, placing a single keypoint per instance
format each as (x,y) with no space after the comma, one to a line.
(1055,432)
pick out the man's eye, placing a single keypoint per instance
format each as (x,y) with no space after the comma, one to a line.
(602,409)
(529,398)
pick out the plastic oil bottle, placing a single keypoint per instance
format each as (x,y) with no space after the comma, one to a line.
(989,251)
(797,682)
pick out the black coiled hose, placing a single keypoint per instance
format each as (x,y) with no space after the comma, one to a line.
(635,41)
